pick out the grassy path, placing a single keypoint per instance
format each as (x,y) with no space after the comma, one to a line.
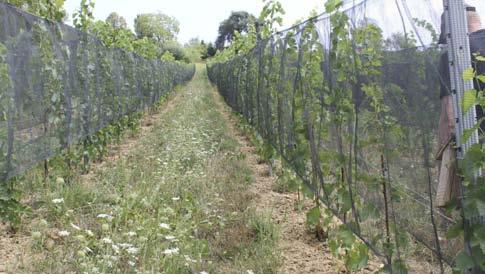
(173,200)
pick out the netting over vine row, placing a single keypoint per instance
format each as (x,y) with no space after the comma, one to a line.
(59,85)
(351,101)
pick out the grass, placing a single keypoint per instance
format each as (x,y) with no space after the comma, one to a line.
(176,203)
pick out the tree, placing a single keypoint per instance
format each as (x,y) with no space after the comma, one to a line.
(116,21)
(157,26)
(210,52)
(195,50)
(176,50)
(237,22)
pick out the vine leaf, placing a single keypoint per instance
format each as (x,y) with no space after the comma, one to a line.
(358,257)
(481,78)
(455,231)
(464,261)
(469,99)
(480,207)
(313,216)
(332,5)
(480,235)
(468,74)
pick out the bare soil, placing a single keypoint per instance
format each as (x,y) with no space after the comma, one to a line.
(12,247)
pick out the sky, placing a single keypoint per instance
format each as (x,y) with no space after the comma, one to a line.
(201,18)
(198,18)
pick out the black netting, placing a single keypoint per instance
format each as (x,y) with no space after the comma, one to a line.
(59,85)
(356,114)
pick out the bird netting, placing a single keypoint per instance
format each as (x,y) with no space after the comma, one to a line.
(59,85)
(351,101)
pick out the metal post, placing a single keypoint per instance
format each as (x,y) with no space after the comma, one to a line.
(460,59)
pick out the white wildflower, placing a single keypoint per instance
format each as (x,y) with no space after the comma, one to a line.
(89,232)
(171,251)
(36,235)
(63,233)
(131,234)
(105,216)
(115,248)
(132,250)
(107,240)
(165,226)
(58,201)
(88,250)
(131,263)
(175,198)
(204,272)
(188,259)
(250,271)
(125,245)
(170,238)
(75,227)
(109,264)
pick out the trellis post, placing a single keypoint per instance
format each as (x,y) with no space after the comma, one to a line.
(460,60)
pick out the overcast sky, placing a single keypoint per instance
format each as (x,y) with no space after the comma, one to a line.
(198,18)
(201,18)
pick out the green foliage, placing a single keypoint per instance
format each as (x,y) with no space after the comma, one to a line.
(11,207)
(176,50)
(196,50)
(239,22)
(114,37)
(50,9)
(146,48)
(264,229)
(313,217)
(345,246)
(157,26)
(211,51)
(474,203)
(83,17)
(168,56)
(287,181)
(116,21)
(270,18)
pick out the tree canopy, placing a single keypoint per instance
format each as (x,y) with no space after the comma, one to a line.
(157,26)
(116,21)
(211,51)
(237,22)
